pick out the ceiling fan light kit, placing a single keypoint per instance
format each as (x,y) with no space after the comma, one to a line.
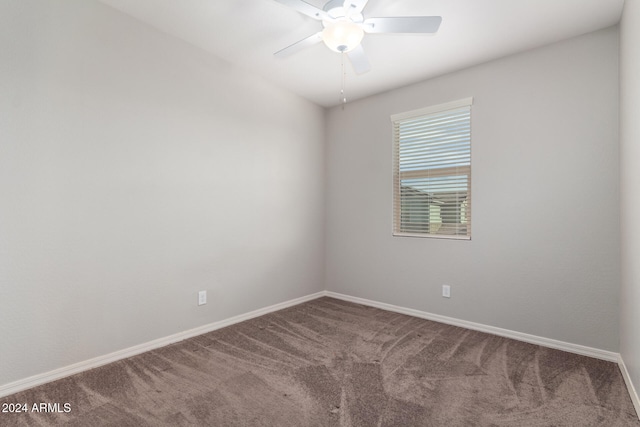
(342,36)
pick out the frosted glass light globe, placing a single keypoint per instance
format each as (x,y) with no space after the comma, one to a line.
(342,36)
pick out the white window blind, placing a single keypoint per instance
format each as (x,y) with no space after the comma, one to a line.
(432,171)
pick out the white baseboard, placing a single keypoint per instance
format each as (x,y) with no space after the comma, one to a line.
(36,380)
(520,336)
(66,371)
(632,390)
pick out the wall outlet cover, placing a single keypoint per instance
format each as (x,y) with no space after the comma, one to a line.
(446,291)
(202,297)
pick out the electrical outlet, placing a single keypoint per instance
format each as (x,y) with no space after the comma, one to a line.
(446,291)
(202,297)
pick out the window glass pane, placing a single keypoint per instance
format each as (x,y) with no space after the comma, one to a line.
(433,174)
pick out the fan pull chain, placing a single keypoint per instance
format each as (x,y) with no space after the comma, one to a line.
(343,98)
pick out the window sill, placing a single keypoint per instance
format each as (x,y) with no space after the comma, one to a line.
(433,236)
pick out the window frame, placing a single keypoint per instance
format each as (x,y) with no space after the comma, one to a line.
(447,171)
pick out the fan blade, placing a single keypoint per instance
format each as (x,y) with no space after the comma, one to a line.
(355,6)
(403,24)
(298,46)
(359,60)
(306,9)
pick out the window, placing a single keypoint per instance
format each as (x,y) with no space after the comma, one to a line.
(432,171)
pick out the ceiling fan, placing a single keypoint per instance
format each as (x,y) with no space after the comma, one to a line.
(344,27)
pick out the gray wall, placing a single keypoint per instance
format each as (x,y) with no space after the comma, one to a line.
(136,170)
(544,255)
(630,185)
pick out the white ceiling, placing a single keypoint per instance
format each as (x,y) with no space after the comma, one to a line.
(248,32)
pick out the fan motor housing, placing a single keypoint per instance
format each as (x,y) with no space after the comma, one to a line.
(336,10)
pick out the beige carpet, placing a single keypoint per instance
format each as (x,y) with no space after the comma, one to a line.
(333,363)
